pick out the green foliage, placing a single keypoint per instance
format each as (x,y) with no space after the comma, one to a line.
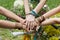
(7,4)
(53,38)
(53,3)
(51,31)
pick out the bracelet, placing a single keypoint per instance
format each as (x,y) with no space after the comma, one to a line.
(33,13)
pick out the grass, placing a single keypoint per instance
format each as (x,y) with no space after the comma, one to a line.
(53,3)
(7,4)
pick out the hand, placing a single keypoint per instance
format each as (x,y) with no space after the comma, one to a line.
(39,20)
(22,21)
(38,24)
(20,26)
(30,22)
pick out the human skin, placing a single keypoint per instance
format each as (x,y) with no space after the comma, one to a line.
(51,21)
(39,6)
(11,25)
(10,14)
(30,19)
(49,14)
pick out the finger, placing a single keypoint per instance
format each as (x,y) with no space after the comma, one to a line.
(37,28)
(32,25)
(28,25)
(37,22)
(28,28)
(35,25)
(24,22)
(24,28)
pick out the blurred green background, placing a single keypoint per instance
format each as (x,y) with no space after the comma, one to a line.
(5,34)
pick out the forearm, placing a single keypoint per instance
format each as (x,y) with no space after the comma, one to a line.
(39,6)
(26,5)
(49,13)
(27,9)
(9,24)
(9,14)
(52,12)
(51,21)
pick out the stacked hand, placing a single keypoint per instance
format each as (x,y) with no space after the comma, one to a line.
(32,23)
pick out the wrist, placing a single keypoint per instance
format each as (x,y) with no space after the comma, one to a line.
(27,16)
(33,13)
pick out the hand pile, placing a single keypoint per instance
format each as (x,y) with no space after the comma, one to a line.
(31,23)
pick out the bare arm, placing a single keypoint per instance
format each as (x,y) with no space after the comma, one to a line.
(9,24)
(51,21)
(26,5)
(39,6)
(52,12)
(47,15)
(30,19)
(10,14)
